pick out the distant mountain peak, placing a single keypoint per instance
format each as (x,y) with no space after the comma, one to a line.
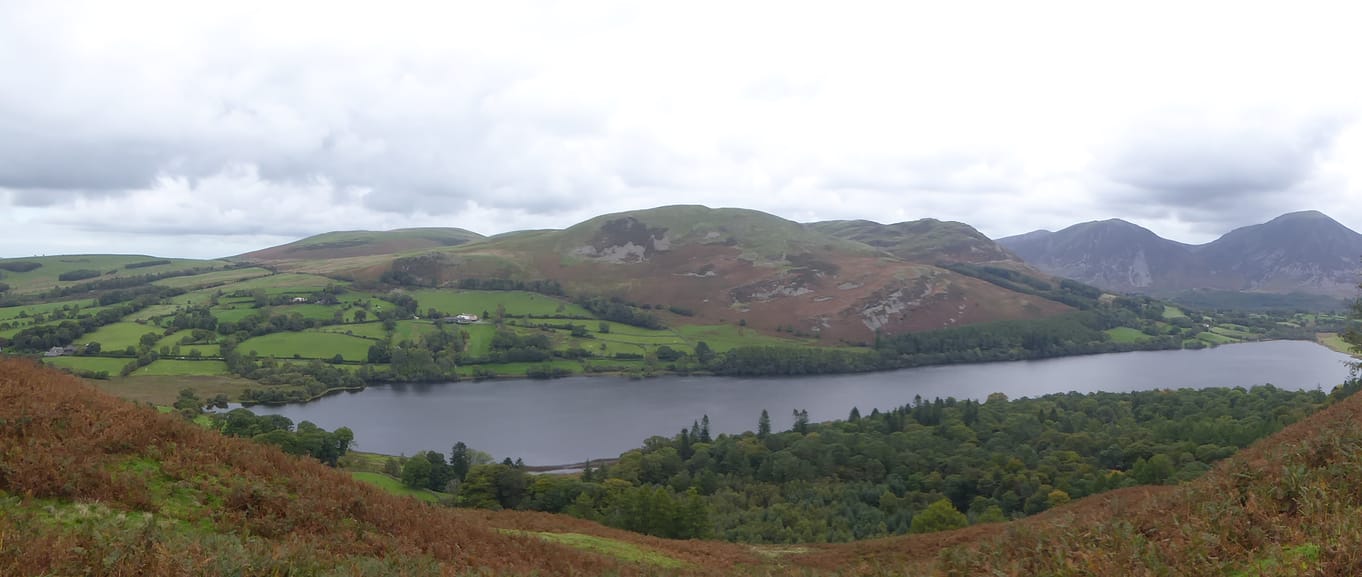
(1305,251)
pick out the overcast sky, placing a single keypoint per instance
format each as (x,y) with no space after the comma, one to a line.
(172,129)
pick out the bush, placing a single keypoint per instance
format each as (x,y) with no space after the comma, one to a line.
(78,274)
(20,266)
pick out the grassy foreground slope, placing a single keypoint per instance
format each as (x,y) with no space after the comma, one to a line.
(92,485)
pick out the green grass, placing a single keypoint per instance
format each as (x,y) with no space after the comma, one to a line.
(233,313)
(1336,342)
(1215,339)
(111,266)
(411,330)
(479,339)
(1287,560)
(10,313)
(119,336)
(1171,312)
(372,330)
(1126,335)
(21,324)
(176,368)
(207,350)
(283,283)
(627,552)
(1229,331)
(214,278)
(108,364)
(477,302)
(308,344)
(153,311)
(396,487)
(308,311)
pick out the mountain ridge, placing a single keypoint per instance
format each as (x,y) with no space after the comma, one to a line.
(730,264)
(1306,252)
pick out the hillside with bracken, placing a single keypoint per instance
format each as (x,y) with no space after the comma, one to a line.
(93,485)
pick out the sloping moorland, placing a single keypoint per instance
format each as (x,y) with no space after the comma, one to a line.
(98,486)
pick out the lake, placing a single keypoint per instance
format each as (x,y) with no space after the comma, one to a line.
(569,420)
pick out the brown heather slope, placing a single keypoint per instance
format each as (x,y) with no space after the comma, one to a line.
(94,485)
(729,265)
(1290,504)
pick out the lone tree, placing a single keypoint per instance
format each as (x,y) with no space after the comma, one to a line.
(939,516)
(764,424)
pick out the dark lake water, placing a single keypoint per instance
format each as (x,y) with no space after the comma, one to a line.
(570,420)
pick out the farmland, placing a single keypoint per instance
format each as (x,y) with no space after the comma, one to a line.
(517,303)
(293,317)
(309,345)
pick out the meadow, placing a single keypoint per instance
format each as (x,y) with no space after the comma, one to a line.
(517,303)
(177,368)
(309,345)
(111,365)
(119,336)
(395,486)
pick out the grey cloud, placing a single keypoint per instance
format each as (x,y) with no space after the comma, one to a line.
(1188,160)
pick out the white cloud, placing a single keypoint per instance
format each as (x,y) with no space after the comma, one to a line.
(141,124)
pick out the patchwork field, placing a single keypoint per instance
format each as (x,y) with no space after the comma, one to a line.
(308,344)
(118,336)
(175,368)
(111,365)
(517,303)
(1126,335)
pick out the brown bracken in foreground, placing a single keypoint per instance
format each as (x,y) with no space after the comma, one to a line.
(93,485)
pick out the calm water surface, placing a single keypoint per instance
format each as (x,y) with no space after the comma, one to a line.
(573,419)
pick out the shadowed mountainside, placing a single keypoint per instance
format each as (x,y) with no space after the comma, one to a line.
(1305,252)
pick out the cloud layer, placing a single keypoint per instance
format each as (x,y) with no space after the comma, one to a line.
(167,128)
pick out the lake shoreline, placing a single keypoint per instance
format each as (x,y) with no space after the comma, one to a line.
(573,419)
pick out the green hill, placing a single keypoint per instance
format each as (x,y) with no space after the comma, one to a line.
(355,243)
(926,240)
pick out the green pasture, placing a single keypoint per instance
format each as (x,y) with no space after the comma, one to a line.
(232,313)
(1171,312)
(207,350)
(9,313)
(308,311)
(518,303)
(283,283)
(411,330)
(1215,339)
(119,336)
(395,486)
(1231,332)
(369,330)
(152,312)
(108,364)
(308,344)
(110,266)
(1126,335)
(177,368)
(215,278)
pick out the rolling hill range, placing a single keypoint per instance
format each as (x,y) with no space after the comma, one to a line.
(98,486)
(1302,252)
(839,280)
(364,243)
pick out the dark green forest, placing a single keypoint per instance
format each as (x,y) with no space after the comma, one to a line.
(925,466)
